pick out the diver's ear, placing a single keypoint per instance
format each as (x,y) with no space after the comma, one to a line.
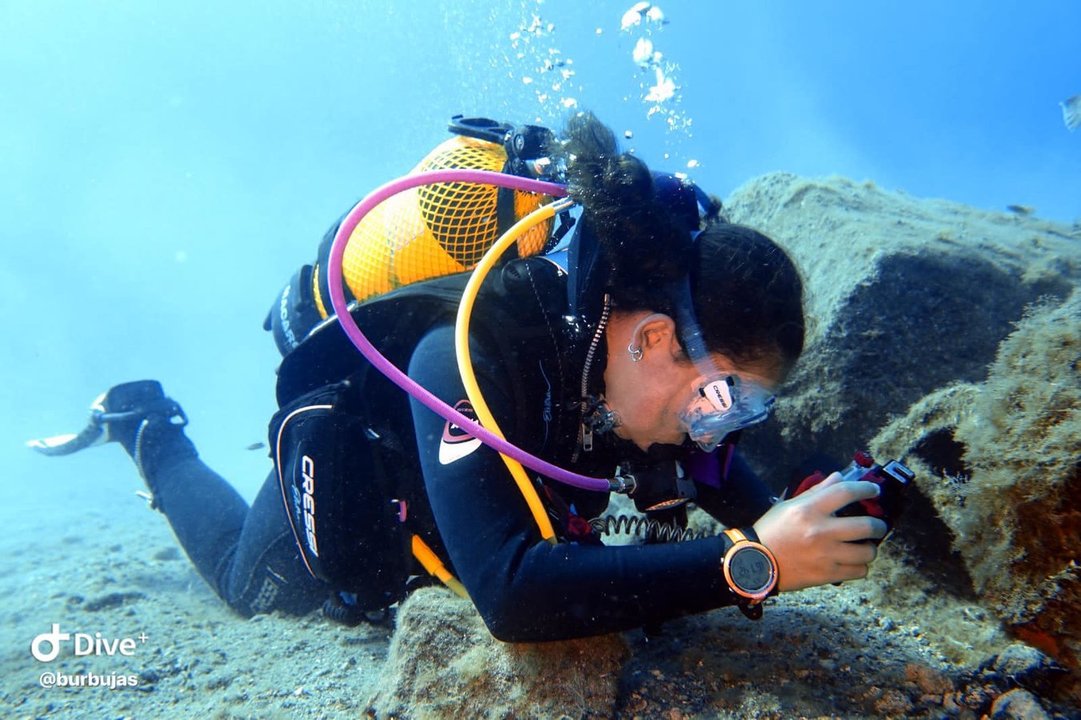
(656,331)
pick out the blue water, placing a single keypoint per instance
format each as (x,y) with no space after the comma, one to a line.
(164,167)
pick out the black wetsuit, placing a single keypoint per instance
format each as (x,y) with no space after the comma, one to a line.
(469,509)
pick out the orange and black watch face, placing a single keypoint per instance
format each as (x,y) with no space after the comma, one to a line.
(749,568)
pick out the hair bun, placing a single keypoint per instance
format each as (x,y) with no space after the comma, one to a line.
(644,245)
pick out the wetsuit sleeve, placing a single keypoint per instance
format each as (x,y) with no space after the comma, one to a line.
(740,497)
(525,588)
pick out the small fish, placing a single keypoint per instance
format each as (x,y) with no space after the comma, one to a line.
(1071,112)
(256,446)
(1022,210)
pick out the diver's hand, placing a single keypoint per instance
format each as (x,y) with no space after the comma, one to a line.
(812,546)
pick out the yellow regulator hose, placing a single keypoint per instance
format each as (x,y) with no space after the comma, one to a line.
(465,362)
(435,567)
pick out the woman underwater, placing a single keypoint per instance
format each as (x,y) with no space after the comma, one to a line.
(668,334)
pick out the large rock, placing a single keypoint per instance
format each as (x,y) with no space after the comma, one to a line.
(950,336)
(1000,463)
(443,663)
(905,297)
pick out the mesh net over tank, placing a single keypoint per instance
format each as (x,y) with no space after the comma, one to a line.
(436,229)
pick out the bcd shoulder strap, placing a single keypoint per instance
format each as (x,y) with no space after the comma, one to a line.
(393,322)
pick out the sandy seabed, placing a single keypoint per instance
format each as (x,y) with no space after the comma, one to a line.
(822,653)
(126,579)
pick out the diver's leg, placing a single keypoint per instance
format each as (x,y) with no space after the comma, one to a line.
(265,571)
(247,555)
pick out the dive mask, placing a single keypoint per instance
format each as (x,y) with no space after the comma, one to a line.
(722,404)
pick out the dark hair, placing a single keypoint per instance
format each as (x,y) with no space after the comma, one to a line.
(746,291)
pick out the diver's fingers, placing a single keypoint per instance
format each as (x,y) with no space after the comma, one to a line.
(853,529)
(831,479)
(851,572)
(839,494)
(855,553)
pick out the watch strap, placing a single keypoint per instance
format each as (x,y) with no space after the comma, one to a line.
(742,535)
(732,537)
(750,533)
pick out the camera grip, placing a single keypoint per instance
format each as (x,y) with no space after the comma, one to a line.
(892,479)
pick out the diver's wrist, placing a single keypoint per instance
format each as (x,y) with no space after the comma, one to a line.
(749,570)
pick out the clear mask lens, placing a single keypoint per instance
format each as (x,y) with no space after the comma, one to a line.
(722,405)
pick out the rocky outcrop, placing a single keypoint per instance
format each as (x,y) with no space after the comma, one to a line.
(905,296)
(1000,462)
(951,338)
(444,663)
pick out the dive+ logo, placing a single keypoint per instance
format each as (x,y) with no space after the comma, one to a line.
(46,646)
(456,443)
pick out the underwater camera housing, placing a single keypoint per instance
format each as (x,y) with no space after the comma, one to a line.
(892,478)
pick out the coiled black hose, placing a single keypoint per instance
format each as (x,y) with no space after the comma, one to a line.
(350,615)
(644,528)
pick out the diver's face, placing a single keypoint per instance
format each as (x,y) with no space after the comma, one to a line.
(651,395)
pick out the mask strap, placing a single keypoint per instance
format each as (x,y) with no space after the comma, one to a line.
(690,332)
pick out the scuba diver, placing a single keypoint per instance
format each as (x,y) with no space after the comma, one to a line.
(628,343)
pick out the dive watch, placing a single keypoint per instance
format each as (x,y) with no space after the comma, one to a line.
(749,569)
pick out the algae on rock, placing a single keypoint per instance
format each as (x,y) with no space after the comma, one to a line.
(904,297)
(1001,464)
(443,663)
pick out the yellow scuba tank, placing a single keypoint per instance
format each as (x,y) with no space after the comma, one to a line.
(434,230)
(428,231)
